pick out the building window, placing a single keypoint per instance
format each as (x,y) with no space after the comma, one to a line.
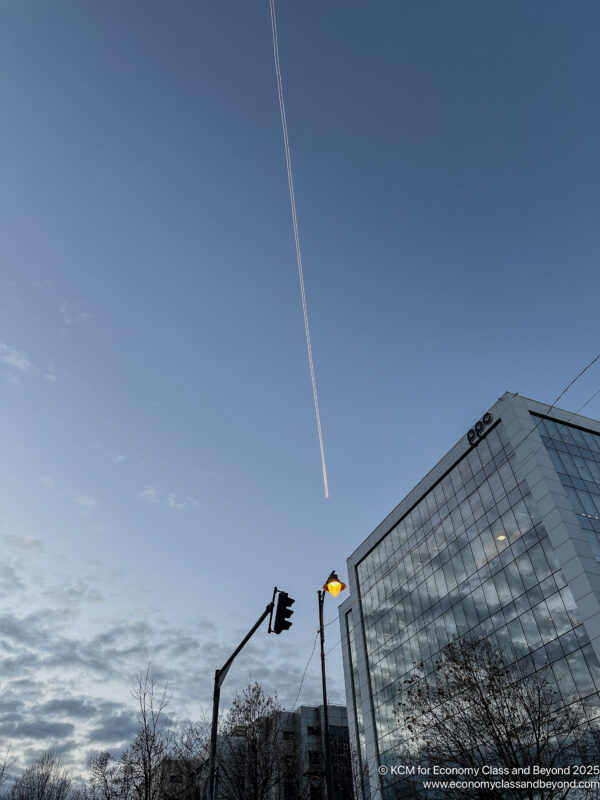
(472,558)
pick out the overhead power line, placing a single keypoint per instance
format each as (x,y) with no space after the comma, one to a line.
(575,379)
(546,414)
(312,652)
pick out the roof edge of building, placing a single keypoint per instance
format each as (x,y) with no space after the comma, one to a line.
(452,456)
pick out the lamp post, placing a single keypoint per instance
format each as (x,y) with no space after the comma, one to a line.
(334,586)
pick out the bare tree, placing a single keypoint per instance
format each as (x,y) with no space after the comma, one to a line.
(188,767)
(5,764)
(109,778)
(142,761)
(350,775)
(139,773)
(46,779)
(342,773)
(251,755)
(477,711)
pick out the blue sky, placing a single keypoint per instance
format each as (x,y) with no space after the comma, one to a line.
(160,466)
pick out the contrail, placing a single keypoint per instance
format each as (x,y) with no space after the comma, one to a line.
(288,164)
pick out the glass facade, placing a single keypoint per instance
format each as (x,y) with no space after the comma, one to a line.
(473,558)
(357,709)
(575,454)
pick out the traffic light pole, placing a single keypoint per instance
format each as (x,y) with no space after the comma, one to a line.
(220,675)
(325,711)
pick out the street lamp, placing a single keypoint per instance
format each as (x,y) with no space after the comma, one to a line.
(334,586)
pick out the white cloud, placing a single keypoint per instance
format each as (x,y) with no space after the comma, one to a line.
(85,501)
(8,377)
(74,317)
(27,543)
(206,473)
(151,494)
(41,283)
(180,503)
(173,503)
(14,358)
(117,458)
(9,580)
(47,481)
(171,500)
(50,375)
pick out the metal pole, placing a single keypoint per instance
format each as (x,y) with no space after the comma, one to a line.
(325,712)
(220,675)
(213,737)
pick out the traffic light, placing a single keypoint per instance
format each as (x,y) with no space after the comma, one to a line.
(283,613)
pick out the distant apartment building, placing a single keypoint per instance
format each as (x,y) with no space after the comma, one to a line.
(289,761)
(500,541)
(304,730)
(182,778)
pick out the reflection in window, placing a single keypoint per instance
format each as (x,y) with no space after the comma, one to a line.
(472,559)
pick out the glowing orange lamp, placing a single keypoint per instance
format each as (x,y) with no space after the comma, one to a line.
(334,585)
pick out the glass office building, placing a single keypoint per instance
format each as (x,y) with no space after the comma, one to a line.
(500,541)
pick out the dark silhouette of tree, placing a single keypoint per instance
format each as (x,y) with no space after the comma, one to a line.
(46,779)
(476,710)
(258,758)
(252,754)
(139,772)
(143,759)
(109,778)
(349,775)
(188,767)
(341,765)
(5,764)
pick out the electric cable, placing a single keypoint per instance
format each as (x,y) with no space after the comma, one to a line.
(339,641)
(335,619)
(575,379)
(596,393)
(570,414)
(305,671)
